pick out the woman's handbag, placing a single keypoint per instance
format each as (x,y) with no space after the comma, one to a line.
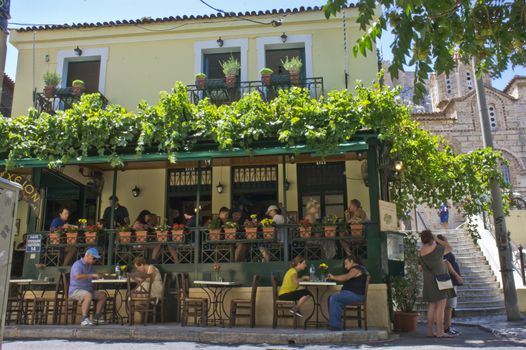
(444,281)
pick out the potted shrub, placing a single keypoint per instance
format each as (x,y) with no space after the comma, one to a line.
(90,235)
(161,233)
(214,229)
(269,231)
(77,87)
(293,66)
(124,234)
(200,81)
(231,69)
(405,289)
(72,234)
(305,228)
(251,227)
(178,232)
(51,80)
(55,235)
(330,224)
(230,229)
(141,236)
(266,76)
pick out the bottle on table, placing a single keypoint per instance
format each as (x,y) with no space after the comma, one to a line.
(312,272)
(118,272)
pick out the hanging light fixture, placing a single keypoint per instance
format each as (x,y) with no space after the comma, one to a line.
(78,51)
(220,42)
(219,188)
(287,185)
(283,37)
(136,191)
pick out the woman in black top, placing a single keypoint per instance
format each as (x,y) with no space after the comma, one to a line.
(352,292)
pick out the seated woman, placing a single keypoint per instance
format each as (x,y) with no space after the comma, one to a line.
(142,222)
(354,215)
(353,290)
(290,288)
(144,274)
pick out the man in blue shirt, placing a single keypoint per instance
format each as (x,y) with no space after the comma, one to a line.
(81,287)
(61,221)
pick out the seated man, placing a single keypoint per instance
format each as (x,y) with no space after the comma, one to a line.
(81,288)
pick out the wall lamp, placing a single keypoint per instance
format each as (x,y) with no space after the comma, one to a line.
(78,51)
(220,42)
(219,188)
(287,185)
(398,166)
(283,37)
(360,156)
(136,191)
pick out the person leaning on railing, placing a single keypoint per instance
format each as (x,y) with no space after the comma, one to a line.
(61,222)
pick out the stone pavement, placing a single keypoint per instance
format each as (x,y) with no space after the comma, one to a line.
(497,325)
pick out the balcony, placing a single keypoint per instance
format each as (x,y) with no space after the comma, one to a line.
(62,99)
(219,93)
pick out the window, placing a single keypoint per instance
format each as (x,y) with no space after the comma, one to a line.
(87,71)
(505,169)
(212,63)
(274,57)
(492,117)
(254,188)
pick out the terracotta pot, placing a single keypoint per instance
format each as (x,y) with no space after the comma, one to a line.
(357,230)
(269,232)
(200,83)
(266,79)
(161,236)
(90,237)
(71,237)
(177,235)
(49,91)
(305,231)
(214,235)
(294,77)
(330,231)
(141,236)
(124,237)
(230,81)
(405,321)
(77,90)
(230,233)
(251,232)
(54,238)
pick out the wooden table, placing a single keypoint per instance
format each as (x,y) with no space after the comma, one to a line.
(317,302)
(216,292)
(118,285)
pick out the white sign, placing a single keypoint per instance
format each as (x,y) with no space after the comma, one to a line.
(395,247)
(33,243)
(388,217)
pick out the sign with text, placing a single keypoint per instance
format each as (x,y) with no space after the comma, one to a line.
(395,247)
(33,243)
(30,193)
(388,217)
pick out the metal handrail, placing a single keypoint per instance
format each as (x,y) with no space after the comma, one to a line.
(62,99)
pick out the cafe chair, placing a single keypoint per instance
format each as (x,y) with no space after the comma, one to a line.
(248,305)
(159,303)
(45,306)
(196,307)
(139,300)
(66,308)
(15,306)
(358,311)
(281,308)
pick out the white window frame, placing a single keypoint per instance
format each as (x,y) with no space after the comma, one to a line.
(66,56)
(293,42)
(207,47)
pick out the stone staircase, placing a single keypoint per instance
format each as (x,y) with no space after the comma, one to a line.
(480,294)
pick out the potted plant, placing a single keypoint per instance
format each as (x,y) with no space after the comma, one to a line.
(178,232)
(230,229)
(77,87)
(124,234)
(266,76)
(329,223)
(51,80)
(251,227)
(357,230)
(305,228)
(72,234)
(231,69)
(324,269)
(90,235)
(405,289)
(141,236)
(200,81)
(214,229)
(269,231)
(55,235)
(293,66)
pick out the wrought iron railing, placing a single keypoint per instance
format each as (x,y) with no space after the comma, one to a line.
(62,99)
(220,93)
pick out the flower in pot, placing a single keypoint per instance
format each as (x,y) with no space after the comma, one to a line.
(90,234)
(77,87)
(251,227)
(125,233)
(330,223)
(293,66)
(266,76)
(141,236)
(230,228)
(405,289)
(217,268)
(72,234)
(231,69)
(324,268)
(269,231)
(305,228)
(51,80)
(55,236)
(200,81)
(178,232)
(214,229)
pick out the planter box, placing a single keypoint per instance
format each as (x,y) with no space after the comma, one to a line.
(124,237)
(178,235)
(54,238)
(90,237)
(161,236)
(357,230)
(214,235)
(230,233)
(330,231)
(305,232)
(269,232)
(251,232)
(141,236)
(71,237)
(405,321)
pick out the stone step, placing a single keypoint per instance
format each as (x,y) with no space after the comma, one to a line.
(480,298)
(479,311)
(479,285)
(467,270)
(465,293)
(482,280)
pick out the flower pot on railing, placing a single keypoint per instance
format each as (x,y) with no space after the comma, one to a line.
(214,234)
(49,91)
(161,236)
(200,81)
(54,238)
(330,231)
(90,237)
(294,77)
(178,235)
(141,236)
(269,232)
(71,237)
(251,232)
(230,233)
(357,230)
(230,81)
(305,232)
(124,237)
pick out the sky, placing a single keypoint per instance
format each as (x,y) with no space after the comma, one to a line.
(75,11)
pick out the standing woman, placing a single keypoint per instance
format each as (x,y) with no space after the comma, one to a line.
(432,262)
(290,288)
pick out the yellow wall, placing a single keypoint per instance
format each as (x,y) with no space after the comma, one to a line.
(355,186)
(521,296)
(292,193)
(221,174)
(152,184)
(515,223)
(21,214)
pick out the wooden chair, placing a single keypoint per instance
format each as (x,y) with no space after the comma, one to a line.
(140,300)
(357,311)
(65,307)
(158,306)
(245,304)
(283,306)
(196,307)
(15,306)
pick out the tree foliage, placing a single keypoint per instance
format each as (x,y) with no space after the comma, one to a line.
(431,32)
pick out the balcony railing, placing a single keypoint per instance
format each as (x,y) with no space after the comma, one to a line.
(62,99)
(219,93)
